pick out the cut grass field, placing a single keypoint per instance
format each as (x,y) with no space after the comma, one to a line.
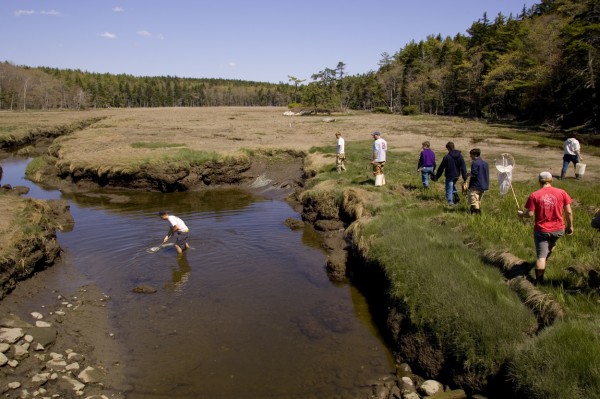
(433,257)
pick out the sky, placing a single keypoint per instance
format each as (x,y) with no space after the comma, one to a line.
(254,40)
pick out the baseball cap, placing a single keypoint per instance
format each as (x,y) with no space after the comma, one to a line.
(375,134)
(545,176)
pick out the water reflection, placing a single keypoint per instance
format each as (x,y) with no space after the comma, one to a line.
(180,274)
(247,312)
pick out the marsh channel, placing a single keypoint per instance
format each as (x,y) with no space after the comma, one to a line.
(247,312)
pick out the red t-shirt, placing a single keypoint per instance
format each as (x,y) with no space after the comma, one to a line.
(547,204)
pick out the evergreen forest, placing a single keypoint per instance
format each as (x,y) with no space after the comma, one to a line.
(540,67)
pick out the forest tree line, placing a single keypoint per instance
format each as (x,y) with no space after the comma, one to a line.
(541,66)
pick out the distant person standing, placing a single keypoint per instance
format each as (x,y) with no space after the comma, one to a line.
(379,158)
(426,164)
(572,153)
(452,167)
(340,153)
(479,180)
(547,205)
(178,228)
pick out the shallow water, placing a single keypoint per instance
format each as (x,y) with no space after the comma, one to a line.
(247,312)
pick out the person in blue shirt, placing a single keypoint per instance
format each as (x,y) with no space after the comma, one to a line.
(426,164)
(479,181)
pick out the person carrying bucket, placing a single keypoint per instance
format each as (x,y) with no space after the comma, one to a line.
(572,153)
(379,157)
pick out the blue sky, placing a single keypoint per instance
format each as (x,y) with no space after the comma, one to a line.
(258,40)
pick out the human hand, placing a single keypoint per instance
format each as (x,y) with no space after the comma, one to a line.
(569,231)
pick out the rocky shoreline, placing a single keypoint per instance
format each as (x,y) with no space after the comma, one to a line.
(38,360)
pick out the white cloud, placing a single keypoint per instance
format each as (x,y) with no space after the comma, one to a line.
(149,35)
(232,64)
(18,13)
(108,35)
(118,9)
(53,13)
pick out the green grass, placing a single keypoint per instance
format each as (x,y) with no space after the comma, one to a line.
(153,145)
(432,258)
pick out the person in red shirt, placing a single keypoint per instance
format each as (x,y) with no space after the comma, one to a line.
(547,205)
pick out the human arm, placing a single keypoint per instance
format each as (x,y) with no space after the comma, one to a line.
(525,213)
(569,219)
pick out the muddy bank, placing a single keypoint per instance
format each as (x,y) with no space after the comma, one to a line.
(28,236)
(281,171)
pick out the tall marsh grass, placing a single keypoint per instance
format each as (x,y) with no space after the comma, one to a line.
(432,257)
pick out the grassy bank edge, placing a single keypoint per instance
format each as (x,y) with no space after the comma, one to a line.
(472,330)
(29,239)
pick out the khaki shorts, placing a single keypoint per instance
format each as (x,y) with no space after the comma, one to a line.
(378,168)
(475,196)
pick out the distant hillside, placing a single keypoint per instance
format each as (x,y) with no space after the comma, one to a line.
(541,67)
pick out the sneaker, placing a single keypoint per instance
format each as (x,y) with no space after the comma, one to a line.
(455,197)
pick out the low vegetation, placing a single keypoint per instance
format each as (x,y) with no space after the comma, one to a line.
(451,312)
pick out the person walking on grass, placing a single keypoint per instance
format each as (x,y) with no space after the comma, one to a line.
(340,153)
(426,164)
(452,167)
(178,228)
(379,158)
(572,153)
(479,180)
(547,205)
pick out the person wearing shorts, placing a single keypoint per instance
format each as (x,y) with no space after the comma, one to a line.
(178,229)
(547,206)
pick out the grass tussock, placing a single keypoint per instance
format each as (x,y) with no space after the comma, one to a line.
(447,272)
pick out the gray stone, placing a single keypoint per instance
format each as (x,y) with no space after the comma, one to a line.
(430,388)
(410,395)
(37,315)
(91,375)
(11,335)
(407,385)
(19,352)
(73,383)
(4,347)
(14,385)
(40,379)
(56,364)
(3,359)
(41,323)
(403,370)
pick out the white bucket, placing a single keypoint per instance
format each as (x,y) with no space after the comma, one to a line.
(379,180)
(580,169)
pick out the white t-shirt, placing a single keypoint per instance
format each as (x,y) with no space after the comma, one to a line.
(572,146)
(340,145)
(175,221)
(379,150)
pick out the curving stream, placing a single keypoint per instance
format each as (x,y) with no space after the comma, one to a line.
(248,312)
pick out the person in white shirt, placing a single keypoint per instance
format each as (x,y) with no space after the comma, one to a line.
(572,153)
(178,228)
(340,153)
(379,158)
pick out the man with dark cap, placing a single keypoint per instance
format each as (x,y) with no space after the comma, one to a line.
(547,205)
